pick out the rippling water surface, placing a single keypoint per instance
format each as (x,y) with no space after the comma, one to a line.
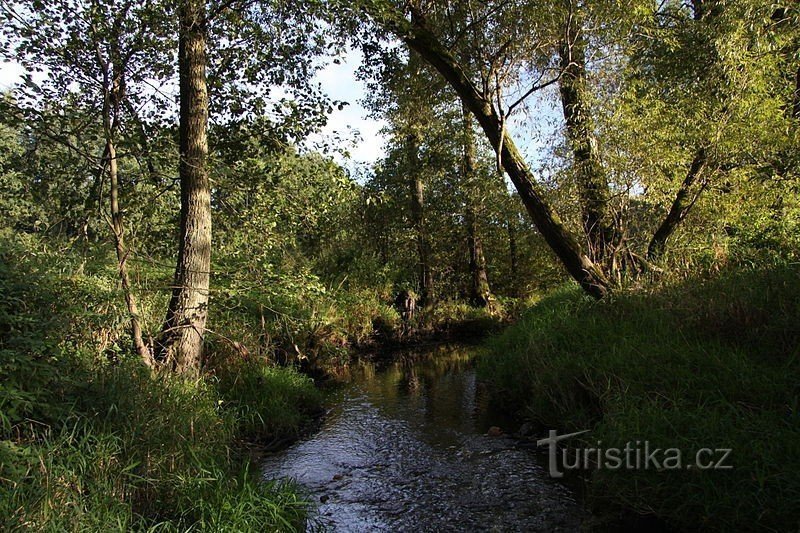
(405,449)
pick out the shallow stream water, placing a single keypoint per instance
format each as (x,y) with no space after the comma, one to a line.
(405,448)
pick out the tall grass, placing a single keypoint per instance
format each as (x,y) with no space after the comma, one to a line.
(90,440)
(704,363)
(143,452)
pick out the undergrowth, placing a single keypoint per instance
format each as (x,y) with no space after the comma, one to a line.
(92,441)
(698,364)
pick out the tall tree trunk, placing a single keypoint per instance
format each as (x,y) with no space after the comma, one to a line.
(117,227)
(561,241)
(480,292)
(184,328)
(680,207)
(418,219)
(113,95)
(589,171)
(513,258)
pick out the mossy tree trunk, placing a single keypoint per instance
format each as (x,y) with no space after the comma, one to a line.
(589,172)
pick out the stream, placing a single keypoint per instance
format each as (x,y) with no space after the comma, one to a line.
(405,448)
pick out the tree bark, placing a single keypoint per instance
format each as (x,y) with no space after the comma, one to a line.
(480,292)
(117,227)
(184,328)
(680,207)
(417,194)
(589,171)
(113,96)
(560,240)
(512,256)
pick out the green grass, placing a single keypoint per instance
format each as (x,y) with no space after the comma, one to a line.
(90,440)
(142,452)
(267,402)
(705,363)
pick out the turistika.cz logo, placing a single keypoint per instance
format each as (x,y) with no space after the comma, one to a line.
(635,455)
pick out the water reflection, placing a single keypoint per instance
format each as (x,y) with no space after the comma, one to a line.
(405,449)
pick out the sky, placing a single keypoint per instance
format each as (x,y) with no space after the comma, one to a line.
(10,74)
(352,130)
(362,134)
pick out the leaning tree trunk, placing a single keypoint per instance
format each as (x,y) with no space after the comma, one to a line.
(561,241)
(418,220)
(591,176)
(117,227)
(681,205)
(113,95)
(480,292)
(184,329)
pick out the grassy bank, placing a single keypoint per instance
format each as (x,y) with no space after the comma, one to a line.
(91,441)
(702,364)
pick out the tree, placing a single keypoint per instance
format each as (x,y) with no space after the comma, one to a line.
(93,57)
(418,220)
(181,344)
(591,176)
(700,81)
(480,293)
(237,89)
(113,70)
(480,100)
(408,100)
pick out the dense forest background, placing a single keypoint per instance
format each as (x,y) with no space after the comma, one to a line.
(172,251)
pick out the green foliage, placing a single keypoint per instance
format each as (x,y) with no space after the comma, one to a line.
(17,200)
(141,453)
(465,320)
(266,401)
(29,347)
(90,440)
(696,364)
